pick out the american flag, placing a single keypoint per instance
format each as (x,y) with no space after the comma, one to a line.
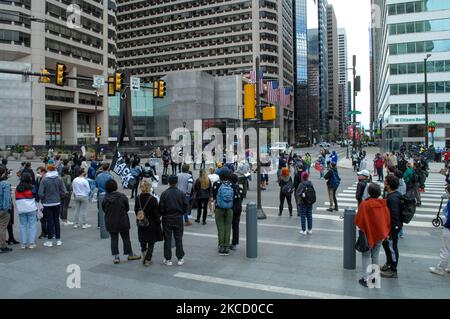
(261,80)
(285,96)
(273,94)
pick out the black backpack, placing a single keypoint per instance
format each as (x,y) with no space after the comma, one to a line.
(408,207)
(308,196)
(288,188)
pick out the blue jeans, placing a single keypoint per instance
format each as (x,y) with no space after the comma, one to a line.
(28,220)
(189,207)
(306,214)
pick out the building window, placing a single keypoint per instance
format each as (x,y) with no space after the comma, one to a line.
(53,127)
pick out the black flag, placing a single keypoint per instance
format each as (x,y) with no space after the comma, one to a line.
(119,167)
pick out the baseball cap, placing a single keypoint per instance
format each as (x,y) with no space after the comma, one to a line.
(225,172)
(364,172)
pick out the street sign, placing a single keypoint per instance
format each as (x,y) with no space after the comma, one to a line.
(135,84)
(354,123)
(99,82)
(354,113)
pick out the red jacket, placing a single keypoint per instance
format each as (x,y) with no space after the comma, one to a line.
(374,220)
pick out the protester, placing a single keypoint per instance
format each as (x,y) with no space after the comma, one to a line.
(202,191)
(223,193)
(237,211)
(67,180)
(152,233)
(116,208)
(361,188)
(81,191)
(213,178)
(100,183)
(394,203)
(41,172)
(306,198)
(28,170)
(5,206)
(378,163)
(27,210)
(51,190)
(333,182)
(185,184)
(373,220)
(286,189)
(172,207)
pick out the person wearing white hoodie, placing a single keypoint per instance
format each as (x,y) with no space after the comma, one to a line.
(81,190)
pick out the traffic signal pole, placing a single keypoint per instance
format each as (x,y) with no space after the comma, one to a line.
(354,102)
(260,212)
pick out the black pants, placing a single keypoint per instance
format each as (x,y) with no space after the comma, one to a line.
(173,225)
(146,246)
(52,213)
(65,205)
(203,165)
(166,169)
(134,190)
(127,250)
(154,169)
(174,169)
(44,230)
(391,249)
(202,203)
(10,233)
(235,225)
(289,201)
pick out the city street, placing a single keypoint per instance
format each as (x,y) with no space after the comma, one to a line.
(289,265)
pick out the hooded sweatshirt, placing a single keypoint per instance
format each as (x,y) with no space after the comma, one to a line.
(52,189)
(374,220)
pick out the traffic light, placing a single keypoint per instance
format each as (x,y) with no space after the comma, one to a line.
(99,131)
(45,76)
(269,113)
(249,101)
(111,86)
(61,74)
(155,89)
(118,82)
(162,89)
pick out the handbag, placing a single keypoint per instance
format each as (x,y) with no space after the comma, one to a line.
(362,245)
(141,219)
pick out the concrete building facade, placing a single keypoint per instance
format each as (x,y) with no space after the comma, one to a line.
(223,38)
(343,80)
(333,71)
(59,115)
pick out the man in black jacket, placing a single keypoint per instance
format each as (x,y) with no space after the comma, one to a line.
(172,205)
(363,179)
(394,203)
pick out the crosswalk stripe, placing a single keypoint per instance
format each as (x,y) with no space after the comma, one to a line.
(418,209)
(351,200)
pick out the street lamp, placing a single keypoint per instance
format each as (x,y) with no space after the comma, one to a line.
(426,99)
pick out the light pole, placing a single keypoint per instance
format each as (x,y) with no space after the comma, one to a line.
(259,209)
(426,99)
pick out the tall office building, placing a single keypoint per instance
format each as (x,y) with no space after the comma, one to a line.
(406,33)
(323,66)
(314,83)
(343,79)
(333,71)
(301,71)
(156,38)
(40,113)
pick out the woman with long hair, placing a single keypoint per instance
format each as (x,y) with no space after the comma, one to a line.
(202,190)
(27,209)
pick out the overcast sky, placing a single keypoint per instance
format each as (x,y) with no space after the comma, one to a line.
(355,17)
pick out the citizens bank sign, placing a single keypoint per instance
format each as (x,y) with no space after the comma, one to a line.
(407,119)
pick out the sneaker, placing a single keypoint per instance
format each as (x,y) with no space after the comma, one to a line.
(59,243)
(204,223)
(336,209)
(180,262)
(67,223)
(303,232)
(5,250)
(23,246)
(86,226)
(222,251)
(437,271)
(32,246)
(389,274)
(76,226)
(447,270)
(309,232)
(233,247)
(330,210)
(134,257)
(363,283)
(386,267)
(48,244)
(226,251)
(197,221)
(116,260)
(148,263)
(167,262)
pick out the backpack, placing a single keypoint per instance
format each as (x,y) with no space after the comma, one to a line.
(335,180)
(408,207)
(288,188)
(308,196)
(225,196)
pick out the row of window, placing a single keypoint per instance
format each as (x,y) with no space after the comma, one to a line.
(74,52)
(419,88)
(69,97)
(419,108)
(420,26)
(419,47)
(86,7)
(418,6)
(11,17)
(418,67)
(74,35)
(18,3)
(15,37)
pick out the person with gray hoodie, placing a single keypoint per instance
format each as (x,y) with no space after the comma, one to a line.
(51,190)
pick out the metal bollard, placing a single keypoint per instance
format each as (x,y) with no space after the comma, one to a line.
(349,239)
(101,217)
(252,231)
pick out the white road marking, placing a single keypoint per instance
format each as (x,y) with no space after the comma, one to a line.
(268,288)
(345,200)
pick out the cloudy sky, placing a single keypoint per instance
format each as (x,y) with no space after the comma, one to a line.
(354,16)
